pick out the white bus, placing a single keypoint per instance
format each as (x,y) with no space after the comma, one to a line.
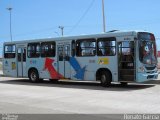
(116,56)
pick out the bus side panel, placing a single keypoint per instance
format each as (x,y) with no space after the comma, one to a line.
(37,63)
(83,68)
(46,67)
(10,67)
(109,63)
(86,67)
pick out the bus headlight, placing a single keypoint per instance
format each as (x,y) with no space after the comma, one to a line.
(141,69)
(148,61)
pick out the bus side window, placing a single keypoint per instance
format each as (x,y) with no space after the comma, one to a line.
(60,53)
(106,46)
(86,47)
(78,49)
(9,51)
(100,52)
(34,50)
(24,55)
(73,48)
(48,49)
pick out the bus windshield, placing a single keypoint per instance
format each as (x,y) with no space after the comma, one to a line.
(147,48)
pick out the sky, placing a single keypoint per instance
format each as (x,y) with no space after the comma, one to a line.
(33,19)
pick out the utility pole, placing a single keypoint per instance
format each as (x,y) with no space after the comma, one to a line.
(62,30)
(10,11)
(103,13)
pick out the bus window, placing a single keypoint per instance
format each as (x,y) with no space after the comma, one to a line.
(48,49)
(34,50)
(147,48)
(67,52)
(21,55)
(9,51)
(24,55)
(106,47)
(60,53)
(126,54)
(86,47)
(73,48)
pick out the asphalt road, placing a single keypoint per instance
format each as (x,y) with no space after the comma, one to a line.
(20,96)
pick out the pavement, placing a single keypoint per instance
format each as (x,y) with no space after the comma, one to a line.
(76,100)
(19,96)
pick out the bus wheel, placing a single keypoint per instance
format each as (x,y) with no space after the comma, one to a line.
(105,79)
(34,76)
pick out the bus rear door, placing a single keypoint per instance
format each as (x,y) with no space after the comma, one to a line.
(9,60)
(64,53)
(21,62)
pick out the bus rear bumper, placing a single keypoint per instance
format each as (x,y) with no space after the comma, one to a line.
(146,77)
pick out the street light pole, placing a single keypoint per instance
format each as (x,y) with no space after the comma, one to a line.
(10,11)
(62,29)
(104,22)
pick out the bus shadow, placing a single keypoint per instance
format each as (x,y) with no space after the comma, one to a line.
(79,85)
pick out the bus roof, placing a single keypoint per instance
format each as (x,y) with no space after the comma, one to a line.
(114,33)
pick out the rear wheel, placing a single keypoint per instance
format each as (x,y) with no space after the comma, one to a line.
(34,76)
(105,79)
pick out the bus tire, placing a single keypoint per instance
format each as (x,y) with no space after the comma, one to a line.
(105,79)
(34,76)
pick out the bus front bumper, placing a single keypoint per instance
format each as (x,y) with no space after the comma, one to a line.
(141,77)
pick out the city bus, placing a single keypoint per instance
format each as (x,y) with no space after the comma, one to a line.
(115,56)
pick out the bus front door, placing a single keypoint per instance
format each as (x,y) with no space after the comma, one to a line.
(64,67)
(21,62)
(126,61)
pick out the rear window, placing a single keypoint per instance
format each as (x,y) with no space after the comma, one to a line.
(9,51)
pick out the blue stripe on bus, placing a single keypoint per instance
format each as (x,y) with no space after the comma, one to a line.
(76,66)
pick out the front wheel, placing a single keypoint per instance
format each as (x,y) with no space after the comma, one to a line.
(34,76)
(105,79)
